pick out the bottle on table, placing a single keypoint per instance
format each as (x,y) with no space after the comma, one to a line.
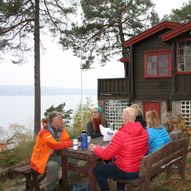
(84,141)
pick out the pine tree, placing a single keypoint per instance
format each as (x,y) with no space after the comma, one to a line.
(60,108)
(181,15)
(103,25)
(19,25)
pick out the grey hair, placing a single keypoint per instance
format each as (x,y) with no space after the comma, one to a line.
(136,107)
(129,114)
(54,114)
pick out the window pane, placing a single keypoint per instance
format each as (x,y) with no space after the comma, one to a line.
(186,111)
(163,65)
(152,66)
(187,57)
(184,56)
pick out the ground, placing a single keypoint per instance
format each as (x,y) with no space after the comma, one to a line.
(159,183)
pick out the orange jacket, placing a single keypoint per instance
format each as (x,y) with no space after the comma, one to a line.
(44,147)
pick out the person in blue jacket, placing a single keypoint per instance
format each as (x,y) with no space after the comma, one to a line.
(158,135)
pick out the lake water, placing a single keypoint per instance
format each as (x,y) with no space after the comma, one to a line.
(20,109)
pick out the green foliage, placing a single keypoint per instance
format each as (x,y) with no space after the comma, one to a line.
(19,141)
(60,108)
(21,153)
(155,18)
(81,116)
(104,26)
(181,15)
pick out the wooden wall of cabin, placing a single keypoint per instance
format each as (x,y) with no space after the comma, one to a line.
(183,87)
(182,81)
(149,88)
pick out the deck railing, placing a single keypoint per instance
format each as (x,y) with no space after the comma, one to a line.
(113,87)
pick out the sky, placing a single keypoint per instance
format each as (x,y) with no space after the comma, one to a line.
(61,69)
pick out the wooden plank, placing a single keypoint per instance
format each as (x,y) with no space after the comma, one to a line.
(113,88)
(23,169)
(162,160)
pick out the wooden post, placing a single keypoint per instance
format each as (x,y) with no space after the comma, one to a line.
(91,177)
(64,173)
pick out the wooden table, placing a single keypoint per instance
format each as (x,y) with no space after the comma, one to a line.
(80,155)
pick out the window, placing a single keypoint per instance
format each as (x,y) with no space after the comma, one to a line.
(186,111)
(114,110)
(184,55)
(158,64)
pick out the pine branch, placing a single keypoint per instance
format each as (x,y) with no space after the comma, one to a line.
(3,31)
(51,18)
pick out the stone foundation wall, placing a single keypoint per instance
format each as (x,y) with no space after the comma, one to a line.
(165,114)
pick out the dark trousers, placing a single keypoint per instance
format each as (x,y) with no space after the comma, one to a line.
(106,171)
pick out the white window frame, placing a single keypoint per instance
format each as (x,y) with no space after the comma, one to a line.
(186,110)
(184,55)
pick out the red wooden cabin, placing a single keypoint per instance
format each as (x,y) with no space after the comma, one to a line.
(158,74)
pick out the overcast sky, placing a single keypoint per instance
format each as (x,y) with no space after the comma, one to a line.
(61,69)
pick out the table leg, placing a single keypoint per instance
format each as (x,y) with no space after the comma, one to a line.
(64,174)
(91,177)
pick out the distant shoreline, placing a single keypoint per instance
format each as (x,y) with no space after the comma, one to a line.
(13,90)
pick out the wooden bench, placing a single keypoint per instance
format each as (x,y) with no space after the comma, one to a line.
(174,153)
(33,179)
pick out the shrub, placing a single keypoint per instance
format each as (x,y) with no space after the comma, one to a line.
(178,123)
(80,118)
(20,143)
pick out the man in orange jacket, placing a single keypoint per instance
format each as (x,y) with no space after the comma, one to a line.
(45,157)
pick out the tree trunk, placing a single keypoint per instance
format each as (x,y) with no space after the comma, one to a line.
(124,51)
(37,98)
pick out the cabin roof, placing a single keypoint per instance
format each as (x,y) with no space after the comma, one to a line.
(151,31)
(177,31)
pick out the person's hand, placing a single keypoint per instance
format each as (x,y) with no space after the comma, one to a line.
(51,151)
(92,146)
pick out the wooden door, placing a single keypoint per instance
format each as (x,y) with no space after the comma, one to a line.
(148,106)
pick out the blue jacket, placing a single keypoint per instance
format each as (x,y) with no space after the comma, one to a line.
(158,137)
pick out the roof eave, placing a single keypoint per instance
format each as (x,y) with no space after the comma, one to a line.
(124,59)
(175,32)
(151,31)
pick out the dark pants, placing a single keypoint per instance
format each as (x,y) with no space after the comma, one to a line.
(106,171)
(52,169)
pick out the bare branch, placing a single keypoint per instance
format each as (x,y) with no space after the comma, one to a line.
(51,17)
(6,30)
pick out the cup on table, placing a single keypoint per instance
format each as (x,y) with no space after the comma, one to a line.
(75,144)
(89,139)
